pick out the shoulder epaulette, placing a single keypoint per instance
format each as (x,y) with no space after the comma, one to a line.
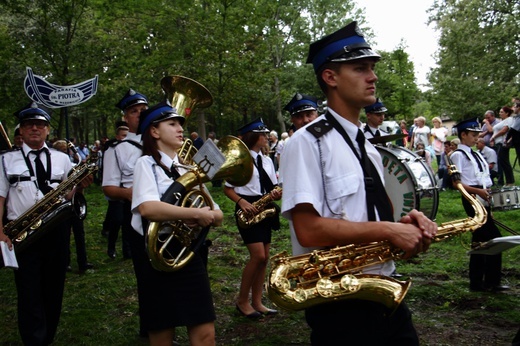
(319,128)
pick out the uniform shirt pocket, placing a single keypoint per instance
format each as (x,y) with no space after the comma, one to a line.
(342,186)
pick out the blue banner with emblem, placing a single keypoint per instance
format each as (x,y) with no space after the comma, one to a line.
(56,96)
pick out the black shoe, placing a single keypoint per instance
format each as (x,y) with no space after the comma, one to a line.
(269,312)
(111,254)
(253,316)
(86,267)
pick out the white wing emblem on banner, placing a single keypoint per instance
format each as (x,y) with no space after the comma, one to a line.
(55,96)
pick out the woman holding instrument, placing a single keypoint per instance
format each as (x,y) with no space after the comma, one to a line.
(183,297)
(258,237)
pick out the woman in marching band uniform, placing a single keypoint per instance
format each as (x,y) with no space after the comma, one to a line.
(258,237)
(182,297)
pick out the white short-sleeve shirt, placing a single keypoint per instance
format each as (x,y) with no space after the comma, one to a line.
(21,195)
(119,162)
(470,173)
(150,183)
(326,173)
(253,188)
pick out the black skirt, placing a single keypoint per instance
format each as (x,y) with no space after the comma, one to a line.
(260,232)
(171,299)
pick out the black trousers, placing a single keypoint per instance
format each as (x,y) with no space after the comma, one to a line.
(76,225)
(40,281)
(360,322)
(504,166)
(126,229)
(484,269)
(113,222)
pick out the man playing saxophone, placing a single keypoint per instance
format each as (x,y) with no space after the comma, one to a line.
(334,193)
(26,176)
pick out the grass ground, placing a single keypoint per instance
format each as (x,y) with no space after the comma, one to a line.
(100,306)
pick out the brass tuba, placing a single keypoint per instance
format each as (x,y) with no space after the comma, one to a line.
(335,274)
(171,245)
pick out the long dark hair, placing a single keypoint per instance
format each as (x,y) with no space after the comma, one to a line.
(151,148)
(251,138)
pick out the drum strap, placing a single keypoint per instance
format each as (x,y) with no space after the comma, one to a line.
(375,191)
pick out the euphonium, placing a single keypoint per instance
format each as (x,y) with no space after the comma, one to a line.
(247,220)
(171,245)
(323,276)
(51,209)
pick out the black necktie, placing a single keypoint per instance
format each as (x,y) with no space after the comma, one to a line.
(378,134)
(477,158)
(174,172)
(360,139)
(375,190)
(41,174)
(266,184)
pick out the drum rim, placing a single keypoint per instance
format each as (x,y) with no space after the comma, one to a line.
(434,189)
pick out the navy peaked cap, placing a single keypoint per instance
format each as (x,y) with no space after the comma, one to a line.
(32,112)
(346,44)
(153,115)
(256,125)
(301,103)
(131,98)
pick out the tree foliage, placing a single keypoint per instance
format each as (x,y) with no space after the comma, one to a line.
(479,59)
(250,54)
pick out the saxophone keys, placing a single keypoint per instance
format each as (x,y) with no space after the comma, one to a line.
(325,287)
(350,283)
(300,295)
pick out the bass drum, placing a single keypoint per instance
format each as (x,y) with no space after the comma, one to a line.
(409,182)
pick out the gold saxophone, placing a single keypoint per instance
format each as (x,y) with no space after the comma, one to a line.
(51,209)
(300,282)
(246,220)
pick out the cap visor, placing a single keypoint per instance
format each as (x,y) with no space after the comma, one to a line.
(357,54)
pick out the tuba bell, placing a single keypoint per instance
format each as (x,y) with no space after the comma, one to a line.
(185,94)
(171,245)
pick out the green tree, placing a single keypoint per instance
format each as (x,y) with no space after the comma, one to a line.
(479,58)
(396,85)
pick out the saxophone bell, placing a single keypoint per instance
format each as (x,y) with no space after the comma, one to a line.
(323,276)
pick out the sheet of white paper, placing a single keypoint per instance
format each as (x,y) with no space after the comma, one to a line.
(496,246)
(209,158)
(8,256)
